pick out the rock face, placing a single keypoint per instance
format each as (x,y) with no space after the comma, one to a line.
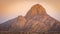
(36,20)
(35,10)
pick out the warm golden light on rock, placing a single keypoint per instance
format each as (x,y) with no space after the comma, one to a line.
(36,20)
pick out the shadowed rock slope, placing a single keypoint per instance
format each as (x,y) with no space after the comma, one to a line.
(36,20)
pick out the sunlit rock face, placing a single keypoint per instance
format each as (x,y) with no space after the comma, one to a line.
(35,10)
(36,20)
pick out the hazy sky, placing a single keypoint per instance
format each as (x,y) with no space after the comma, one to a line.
(10,9)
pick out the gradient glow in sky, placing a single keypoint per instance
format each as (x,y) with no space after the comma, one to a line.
(11,9)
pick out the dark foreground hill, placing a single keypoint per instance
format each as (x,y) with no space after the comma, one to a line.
(36,20)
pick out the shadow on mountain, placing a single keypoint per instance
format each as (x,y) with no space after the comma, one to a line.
(36,20)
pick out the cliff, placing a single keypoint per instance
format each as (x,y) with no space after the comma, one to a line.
(36,20)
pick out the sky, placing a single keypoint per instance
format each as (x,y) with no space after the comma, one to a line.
(10,9)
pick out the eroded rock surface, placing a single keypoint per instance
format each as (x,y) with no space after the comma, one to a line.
(36,20)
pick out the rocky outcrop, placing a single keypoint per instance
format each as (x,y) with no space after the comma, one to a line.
(36,20)
(35,10)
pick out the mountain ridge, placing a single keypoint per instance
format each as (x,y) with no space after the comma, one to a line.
(36,20)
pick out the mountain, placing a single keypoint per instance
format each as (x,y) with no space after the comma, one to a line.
(36,20)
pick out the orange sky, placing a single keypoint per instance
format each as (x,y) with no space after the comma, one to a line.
(11,9)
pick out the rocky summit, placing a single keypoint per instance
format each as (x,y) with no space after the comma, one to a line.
(36,20)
